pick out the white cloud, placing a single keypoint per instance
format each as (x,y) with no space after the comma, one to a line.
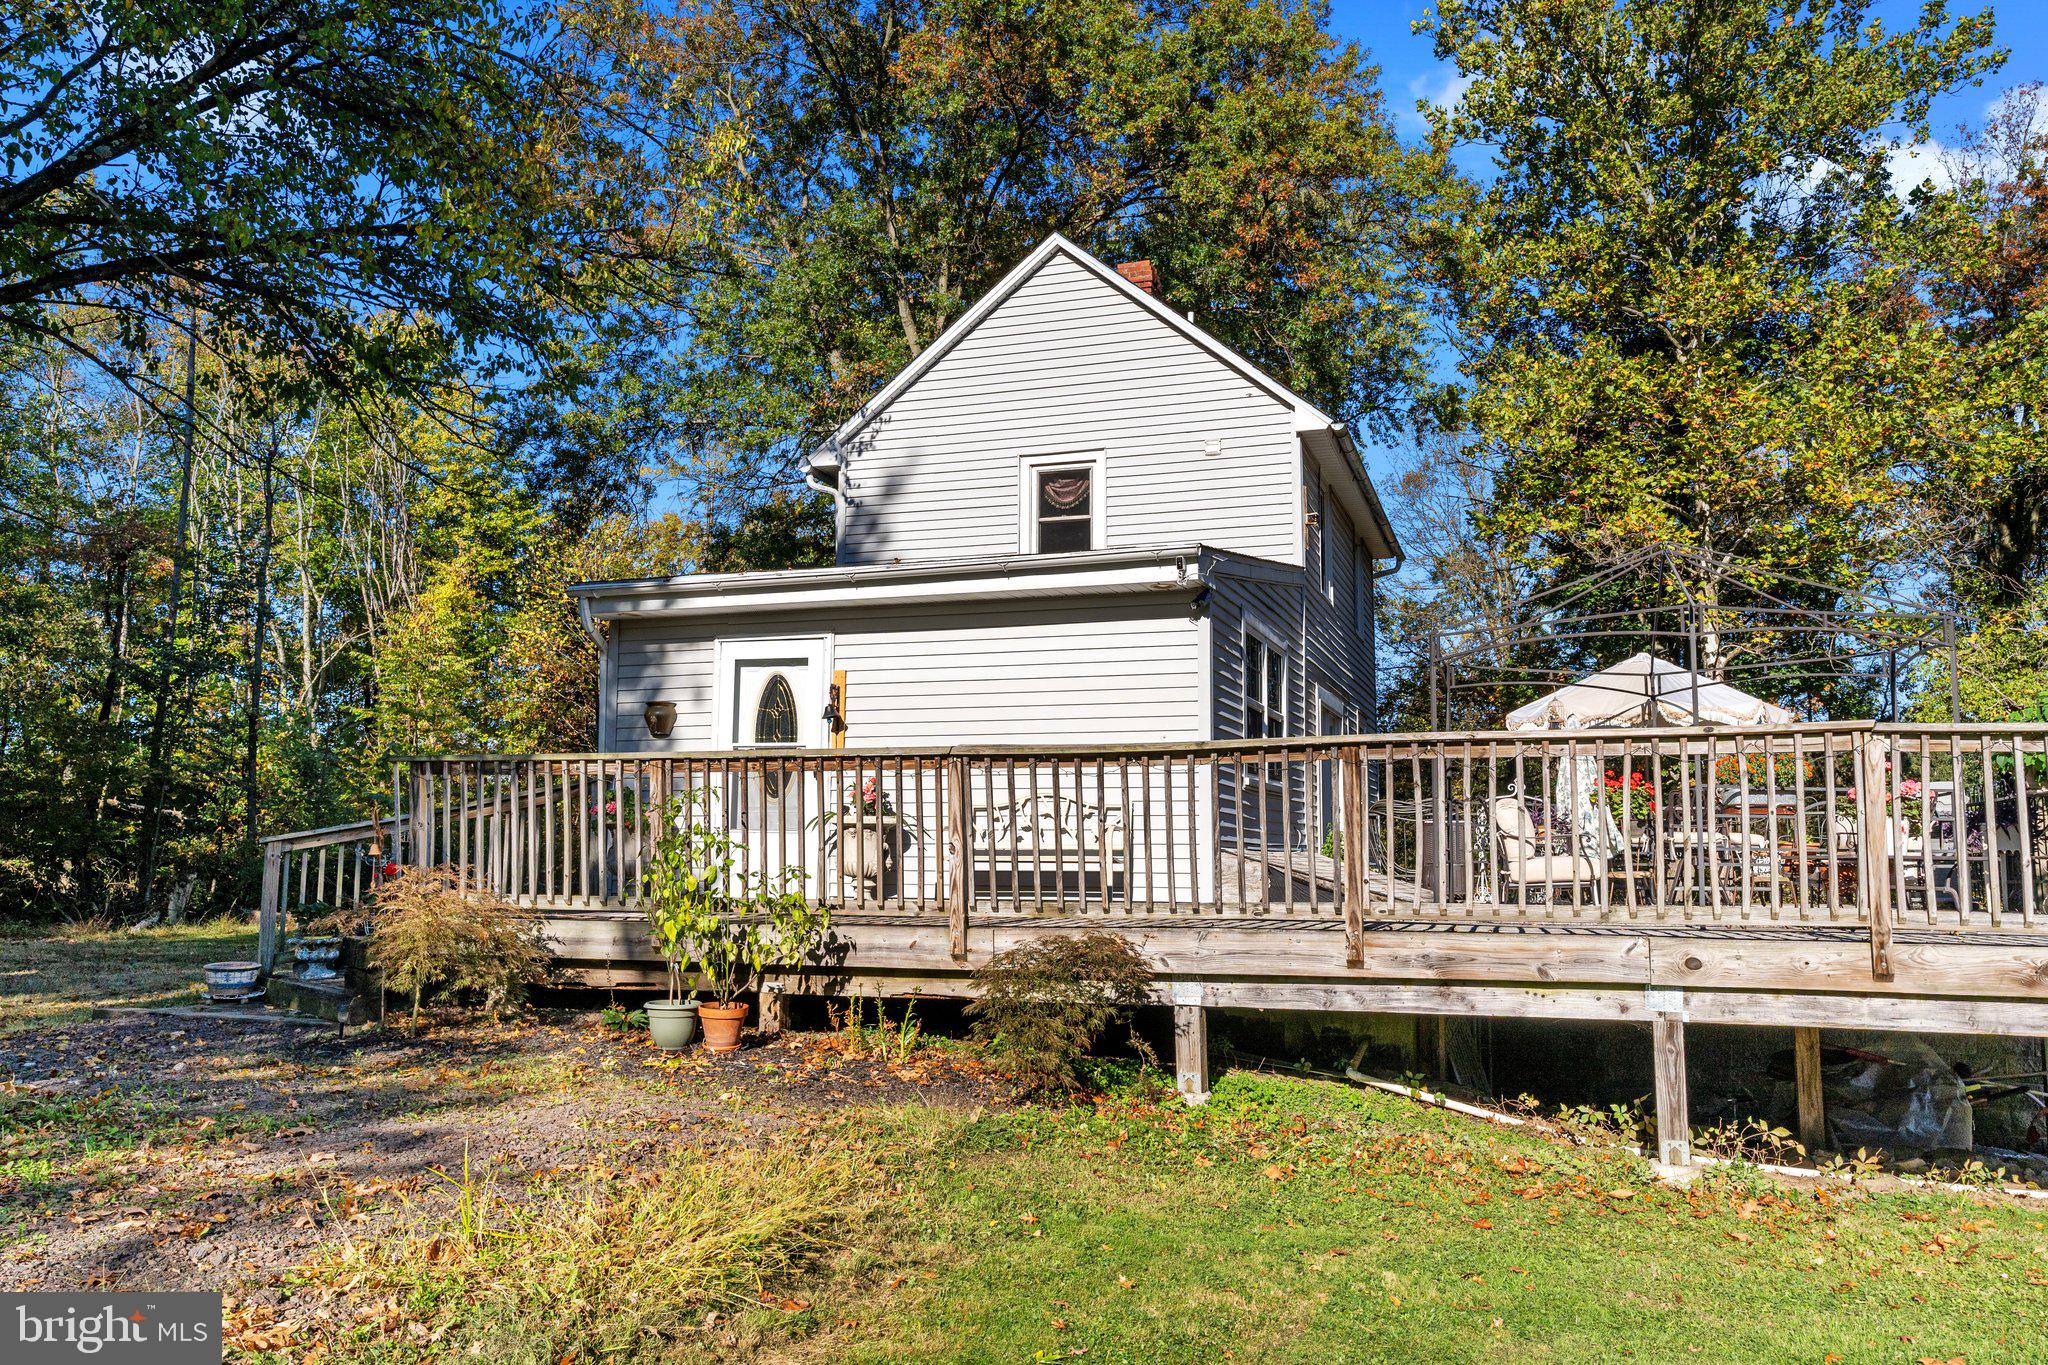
(1912,163)
(1440,88)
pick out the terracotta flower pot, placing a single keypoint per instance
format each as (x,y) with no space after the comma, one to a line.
(722,1025)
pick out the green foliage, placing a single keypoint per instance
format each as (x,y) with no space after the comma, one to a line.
(1044,1004)
(426,935)
(1680,297)
(887,162)
(711,916)
(623,1021)
(381,190)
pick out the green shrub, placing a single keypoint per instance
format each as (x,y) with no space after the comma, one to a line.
(429,937)
(1042,1006)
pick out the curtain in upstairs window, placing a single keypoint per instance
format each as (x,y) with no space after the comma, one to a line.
(1065,493)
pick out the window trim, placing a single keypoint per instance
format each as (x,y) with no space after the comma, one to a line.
(1028,469)
(1269,641)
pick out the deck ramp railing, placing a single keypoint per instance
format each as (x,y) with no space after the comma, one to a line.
(312,873)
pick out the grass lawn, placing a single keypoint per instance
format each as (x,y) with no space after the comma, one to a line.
(1297,1220)
(47,979)
(557,1191)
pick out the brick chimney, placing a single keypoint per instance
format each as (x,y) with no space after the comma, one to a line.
(1141,274)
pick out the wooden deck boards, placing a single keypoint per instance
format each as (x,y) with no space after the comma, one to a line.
(1762,974)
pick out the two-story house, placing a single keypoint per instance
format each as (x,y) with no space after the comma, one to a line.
(1075,518)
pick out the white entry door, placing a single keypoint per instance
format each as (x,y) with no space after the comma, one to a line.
(771,695)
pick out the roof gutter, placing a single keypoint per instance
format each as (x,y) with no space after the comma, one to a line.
(812,465)
(854,587)
(589,623)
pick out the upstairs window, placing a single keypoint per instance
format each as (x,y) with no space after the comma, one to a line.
(1066,512)
(1265,688)
(1060,497)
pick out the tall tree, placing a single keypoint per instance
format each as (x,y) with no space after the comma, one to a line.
(1980,250)
(851,176)
(1671,296)
(382,188)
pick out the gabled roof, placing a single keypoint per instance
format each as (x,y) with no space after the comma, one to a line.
(1308,415)
(1308,418)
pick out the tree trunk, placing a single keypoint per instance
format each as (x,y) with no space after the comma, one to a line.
(252,734)
(153,826)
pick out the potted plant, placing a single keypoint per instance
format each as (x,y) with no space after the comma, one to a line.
(875,828)
(672,1022)
(720,922)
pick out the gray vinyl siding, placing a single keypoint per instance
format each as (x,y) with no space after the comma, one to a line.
(1337,623)
(1068,365)
(1094,672)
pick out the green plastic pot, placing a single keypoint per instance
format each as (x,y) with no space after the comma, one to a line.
(673,1023)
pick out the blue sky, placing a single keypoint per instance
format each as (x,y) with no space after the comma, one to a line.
(1409,71)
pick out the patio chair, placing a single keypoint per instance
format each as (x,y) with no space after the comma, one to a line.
(1537,860)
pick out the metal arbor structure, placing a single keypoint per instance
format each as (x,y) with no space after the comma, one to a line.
(1816,648)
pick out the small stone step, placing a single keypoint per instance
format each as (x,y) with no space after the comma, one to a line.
(321,998)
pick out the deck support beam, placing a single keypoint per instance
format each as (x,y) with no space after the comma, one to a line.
(774,1011)
(1813,1127)
(1674,1120)
(1191,1052)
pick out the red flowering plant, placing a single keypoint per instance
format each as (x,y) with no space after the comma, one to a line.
(1908,802)
(872,802)
(1631,803)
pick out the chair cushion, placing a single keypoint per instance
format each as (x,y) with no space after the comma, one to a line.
(1553,867)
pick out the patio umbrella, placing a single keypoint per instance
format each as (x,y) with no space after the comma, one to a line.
(1645,690)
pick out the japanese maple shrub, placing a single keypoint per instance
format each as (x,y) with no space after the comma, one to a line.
(1042,1006)
(429,936)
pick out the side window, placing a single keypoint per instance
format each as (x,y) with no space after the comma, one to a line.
(1265,688)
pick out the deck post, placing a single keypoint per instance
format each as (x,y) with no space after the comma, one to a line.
(270,905)
(959,860)
(1191,1048)
(1873,874)
(422,814)
(1674,1120)
(774,1009)
(1813,1128)
(1354,855)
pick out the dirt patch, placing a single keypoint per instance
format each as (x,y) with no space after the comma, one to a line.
(143,1151)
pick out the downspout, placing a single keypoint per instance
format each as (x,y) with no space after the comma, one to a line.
(590,628)
(831,490)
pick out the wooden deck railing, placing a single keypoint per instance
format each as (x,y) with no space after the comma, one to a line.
(316,871)
(1843,824)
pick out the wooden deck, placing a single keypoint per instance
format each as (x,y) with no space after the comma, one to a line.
(1827,876)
